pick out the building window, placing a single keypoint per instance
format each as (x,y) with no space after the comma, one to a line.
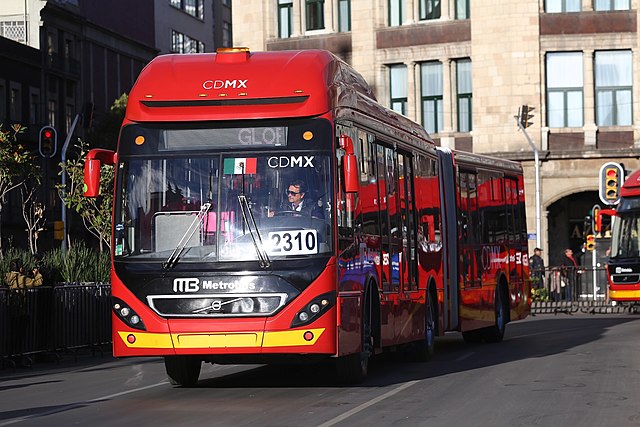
(464,94)
(285,18)
(315,14)
(462,9)
(398,88)
(15,106)
(561,6)
(3,102)
(14,30)
(564,89)
(396,12)
(51,112)
(344,15)
(34,109)
(429,9)
(192,7)
(613,71)
(68,117)
(226,34)
(431,96)
(611,5)
(181,43)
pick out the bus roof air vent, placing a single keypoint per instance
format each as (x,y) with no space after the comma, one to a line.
(231,55)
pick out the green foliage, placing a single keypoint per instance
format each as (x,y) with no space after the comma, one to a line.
(541,294)
(79,264)
(95,212)
(16,164)
(27,258)
(105,134)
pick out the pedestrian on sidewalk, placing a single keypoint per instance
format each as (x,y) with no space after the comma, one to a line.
(536,263)
(569,269)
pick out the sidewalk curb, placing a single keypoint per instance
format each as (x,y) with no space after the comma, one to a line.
(590,307)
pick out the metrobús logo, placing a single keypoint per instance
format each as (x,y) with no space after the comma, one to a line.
(192,284)
(225,84)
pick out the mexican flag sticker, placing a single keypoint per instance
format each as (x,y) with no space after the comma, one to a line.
(236,166)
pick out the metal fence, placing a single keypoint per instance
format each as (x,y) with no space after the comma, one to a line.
(561,283)
(43,319)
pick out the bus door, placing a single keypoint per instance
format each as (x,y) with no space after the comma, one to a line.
(516,263)
(469,231)
(411,303)
(385,169)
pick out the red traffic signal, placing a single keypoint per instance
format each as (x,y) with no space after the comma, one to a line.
(591,242)
(48,141)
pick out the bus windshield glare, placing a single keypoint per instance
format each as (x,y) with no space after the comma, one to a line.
(224,207)
(625,241)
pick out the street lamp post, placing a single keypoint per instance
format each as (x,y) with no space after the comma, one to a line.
(64,182)
(522,120)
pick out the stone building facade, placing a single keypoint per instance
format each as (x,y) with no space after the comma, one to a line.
(463,68)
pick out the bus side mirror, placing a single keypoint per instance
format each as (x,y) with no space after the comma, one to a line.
(92,178)
(92,165)
(349,165)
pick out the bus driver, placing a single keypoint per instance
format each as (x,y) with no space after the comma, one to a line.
(296,201)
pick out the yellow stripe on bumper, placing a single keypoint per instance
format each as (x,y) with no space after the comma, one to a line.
(290,338)
(147,340)
(630,294)
(221,340)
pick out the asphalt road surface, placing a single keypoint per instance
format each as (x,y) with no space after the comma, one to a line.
(581,370)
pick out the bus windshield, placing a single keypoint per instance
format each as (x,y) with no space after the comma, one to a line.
(625,241)
(224,207)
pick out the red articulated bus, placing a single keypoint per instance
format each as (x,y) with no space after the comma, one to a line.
(397,241)
(623,266)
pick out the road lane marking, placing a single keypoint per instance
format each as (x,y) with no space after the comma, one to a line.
(364,406)
(79,404)
(464,356)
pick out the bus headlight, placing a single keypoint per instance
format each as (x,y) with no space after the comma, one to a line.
(314,309)
(127,315)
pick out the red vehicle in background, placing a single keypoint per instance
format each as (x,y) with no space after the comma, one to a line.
(623,266)
(407,240)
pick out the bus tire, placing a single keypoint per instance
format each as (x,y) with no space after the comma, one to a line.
(353,368)
(182,370)
(495,333)
(422,351)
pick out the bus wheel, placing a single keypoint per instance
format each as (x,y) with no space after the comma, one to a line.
(423,350)
(353,368)
(495,333)
(182,370)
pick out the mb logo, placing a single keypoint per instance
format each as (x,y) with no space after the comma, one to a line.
(186,285)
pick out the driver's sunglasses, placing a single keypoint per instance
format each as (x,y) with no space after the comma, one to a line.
(292,193)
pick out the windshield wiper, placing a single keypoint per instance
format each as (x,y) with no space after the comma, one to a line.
(175,255)
(250,222)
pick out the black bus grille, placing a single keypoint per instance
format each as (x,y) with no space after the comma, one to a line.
(628,279)
(217,305)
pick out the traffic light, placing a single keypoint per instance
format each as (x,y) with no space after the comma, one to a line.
(48,141)
(525,115)
(597,219)
(591,242)
(611,179)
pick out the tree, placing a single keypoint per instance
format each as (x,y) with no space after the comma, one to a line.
(105,134)
(32,212)
(16,165)
(95,212)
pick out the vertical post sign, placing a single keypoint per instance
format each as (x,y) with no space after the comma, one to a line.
(611,180)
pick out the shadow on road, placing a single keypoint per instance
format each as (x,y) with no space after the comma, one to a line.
(524,340)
